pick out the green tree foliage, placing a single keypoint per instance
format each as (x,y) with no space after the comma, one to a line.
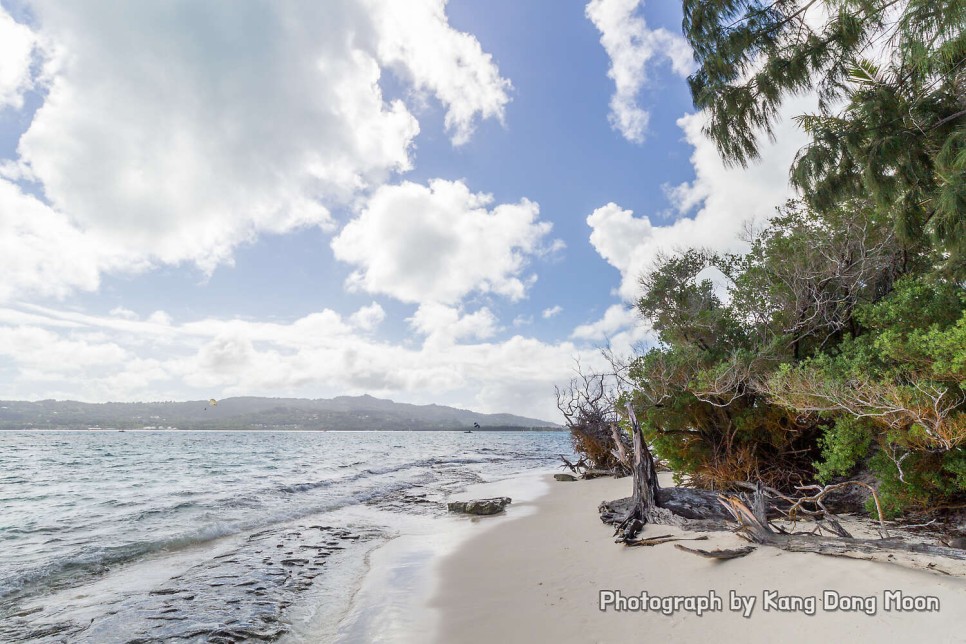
(703,392)
(820,358)
(899,383)
(891,79)
(837,344)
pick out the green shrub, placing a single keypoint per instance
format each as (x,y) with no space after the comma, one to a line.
(928,479)
(844,445)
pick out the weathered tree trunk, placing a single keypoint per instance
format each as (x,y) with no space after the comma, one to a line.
(645,474)
(620,452)
(644,487)
(682,507)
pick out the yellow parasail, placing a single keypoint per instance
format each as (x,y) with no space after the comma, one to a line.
(213,402)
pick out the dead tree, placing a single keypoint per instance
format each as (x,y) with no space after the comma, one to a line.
(649,503)
(620,449)
(692,508)
(588,407)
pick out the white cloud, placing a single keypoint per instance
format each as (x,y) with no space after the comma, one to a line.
(615,318)
(620,328)
(417,39)
(616,234)
(631,45)
(725,199)
(446,324)
(439,243)
(88,357)
(16,49)
(46,353)
(552,311)
(161,318)
(42,253)
(173,132)
(368,317)
(126,314)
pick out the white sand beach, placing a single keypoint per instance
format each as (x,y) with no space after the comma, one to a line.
(536,577)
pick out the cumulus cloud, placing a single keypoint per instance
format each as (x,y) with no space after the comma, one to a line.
(616,234)
(16,49)
(124,313)
(447,324)
(173,132)
(368,317)
(631,46)
(620,328)
(116,357)
(43,253)
(439,243)
(412,37)
(615,318)
(551,312)
(712,209)
(43,353)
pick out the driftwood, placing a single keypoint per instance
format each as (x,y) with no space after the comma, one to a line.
(704,510)
(585,471)
(700,510)
(596,474)
(573,467)
(753,526)
(733,553)
(822,516)
(664,538)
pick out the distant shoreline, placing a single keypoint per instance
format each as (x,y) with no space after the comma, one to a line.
(342,413)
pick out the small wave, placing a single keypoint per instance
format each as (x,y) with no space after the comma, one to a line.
(171,509)
(46,529)
(304,487)
(372,471)
(468,460)
(94,560)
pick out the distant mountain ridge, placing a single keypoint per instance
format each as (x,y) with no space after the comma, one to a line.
(249,412)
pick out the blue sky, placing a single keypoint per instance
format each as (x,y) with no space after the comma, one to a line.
(448,202)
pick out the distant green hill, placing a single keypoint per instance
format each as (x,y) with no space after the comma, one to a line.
(341,413)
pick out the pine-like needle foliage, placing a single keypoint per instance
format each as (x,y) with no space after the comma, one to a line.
(891,80)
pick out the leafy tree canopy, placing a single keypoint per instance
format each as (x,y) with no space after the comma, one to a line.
(891,81)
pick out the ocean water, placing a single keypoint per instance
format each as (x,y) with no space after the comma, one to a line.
(145,536)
